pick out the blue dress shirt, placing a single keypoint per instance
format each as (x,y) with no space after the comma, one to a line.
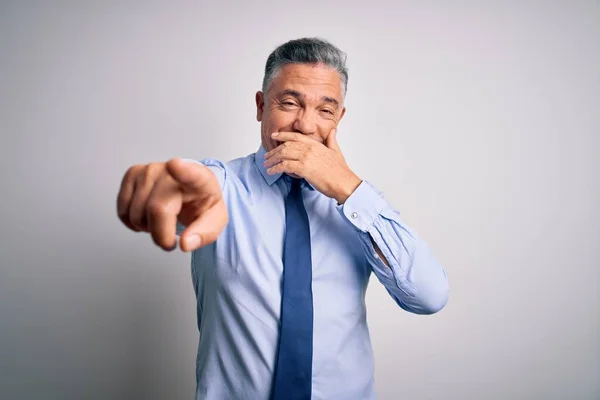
(237,281)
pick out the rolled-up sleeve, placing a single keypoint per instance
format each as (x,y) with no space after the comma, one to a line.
(414,278)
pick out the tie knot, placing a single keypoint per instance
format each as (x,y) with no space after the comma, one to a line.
(294,184)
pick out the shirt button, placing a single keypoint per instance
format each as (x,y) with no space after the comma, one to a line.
(354,215)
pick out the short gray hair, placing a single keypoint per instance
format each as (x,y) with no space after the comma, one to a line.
(306,51)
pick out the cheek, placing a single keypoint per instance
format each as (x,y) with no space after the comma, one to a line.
(268,142)
(276,121)
(324,130)
(281,120)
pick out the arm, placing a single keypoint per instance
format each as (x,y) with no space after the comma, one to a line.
(410,273)
(401,260)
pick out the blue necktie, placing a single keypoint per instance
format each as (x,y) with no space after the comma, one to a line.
(293,371)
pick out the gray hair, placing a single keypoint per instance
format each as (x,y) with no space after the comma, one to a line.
(306,51)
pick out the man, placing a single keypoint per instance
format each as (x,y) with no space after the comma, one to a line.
(283,242)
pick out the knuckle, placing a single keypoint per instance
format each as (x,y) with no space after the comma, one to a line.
(150,175)
(131,174)
(133,170)
(138,223)
(121,197)
(154,169)
(122,209)
(156,208)
(136,214)
(135,219)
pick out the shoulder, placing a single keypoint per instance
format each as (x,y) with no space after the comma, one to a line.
(229,172)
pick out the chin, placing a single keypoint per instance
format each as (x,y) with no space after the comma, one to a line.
(269,144)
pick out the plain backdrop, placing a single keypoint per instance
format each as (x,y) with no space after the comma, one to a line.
(480,121)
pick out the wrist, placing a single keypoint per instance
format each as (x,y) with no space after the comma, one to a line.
(347,187)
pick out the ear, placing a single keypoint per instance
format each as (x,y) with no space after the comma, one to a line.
(342,114)
(260,105)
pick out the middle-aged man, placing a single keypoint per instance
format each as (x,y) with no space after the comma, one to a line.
(283,242)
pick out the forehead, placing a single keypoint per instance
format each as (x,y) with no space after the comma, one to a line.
(314,81)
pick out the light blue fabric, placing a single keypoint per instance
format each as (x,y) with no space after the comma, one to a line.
(237,281)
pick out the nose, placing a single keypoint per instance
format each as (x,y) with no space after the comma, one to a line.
(305,122)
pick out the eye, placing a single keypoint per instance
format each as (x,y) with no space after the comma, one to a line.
(288,104)
(327,111)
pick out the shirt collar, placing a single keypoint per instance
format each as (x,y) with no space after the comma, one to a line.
(259,159)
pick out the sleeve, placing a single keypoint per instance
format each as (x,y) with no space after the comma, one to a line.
(217,167)
(414,278)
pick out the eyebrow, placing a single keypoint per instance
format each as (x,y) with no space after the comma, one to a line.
(299,95)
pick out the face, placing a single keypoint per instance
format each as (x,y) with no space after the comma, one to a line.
(301,98)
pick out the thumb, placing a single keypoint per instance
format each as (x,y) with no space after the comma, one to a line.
(205,229)
(331,141)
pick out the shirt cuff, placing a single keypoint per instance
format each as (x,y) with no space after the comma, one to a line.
(363,206)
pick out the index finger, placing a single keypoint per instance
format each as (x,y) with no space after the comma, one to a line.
(192,176)
(291,136)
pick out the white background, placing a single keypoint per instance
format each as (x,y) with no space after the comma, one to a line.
(479,121)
